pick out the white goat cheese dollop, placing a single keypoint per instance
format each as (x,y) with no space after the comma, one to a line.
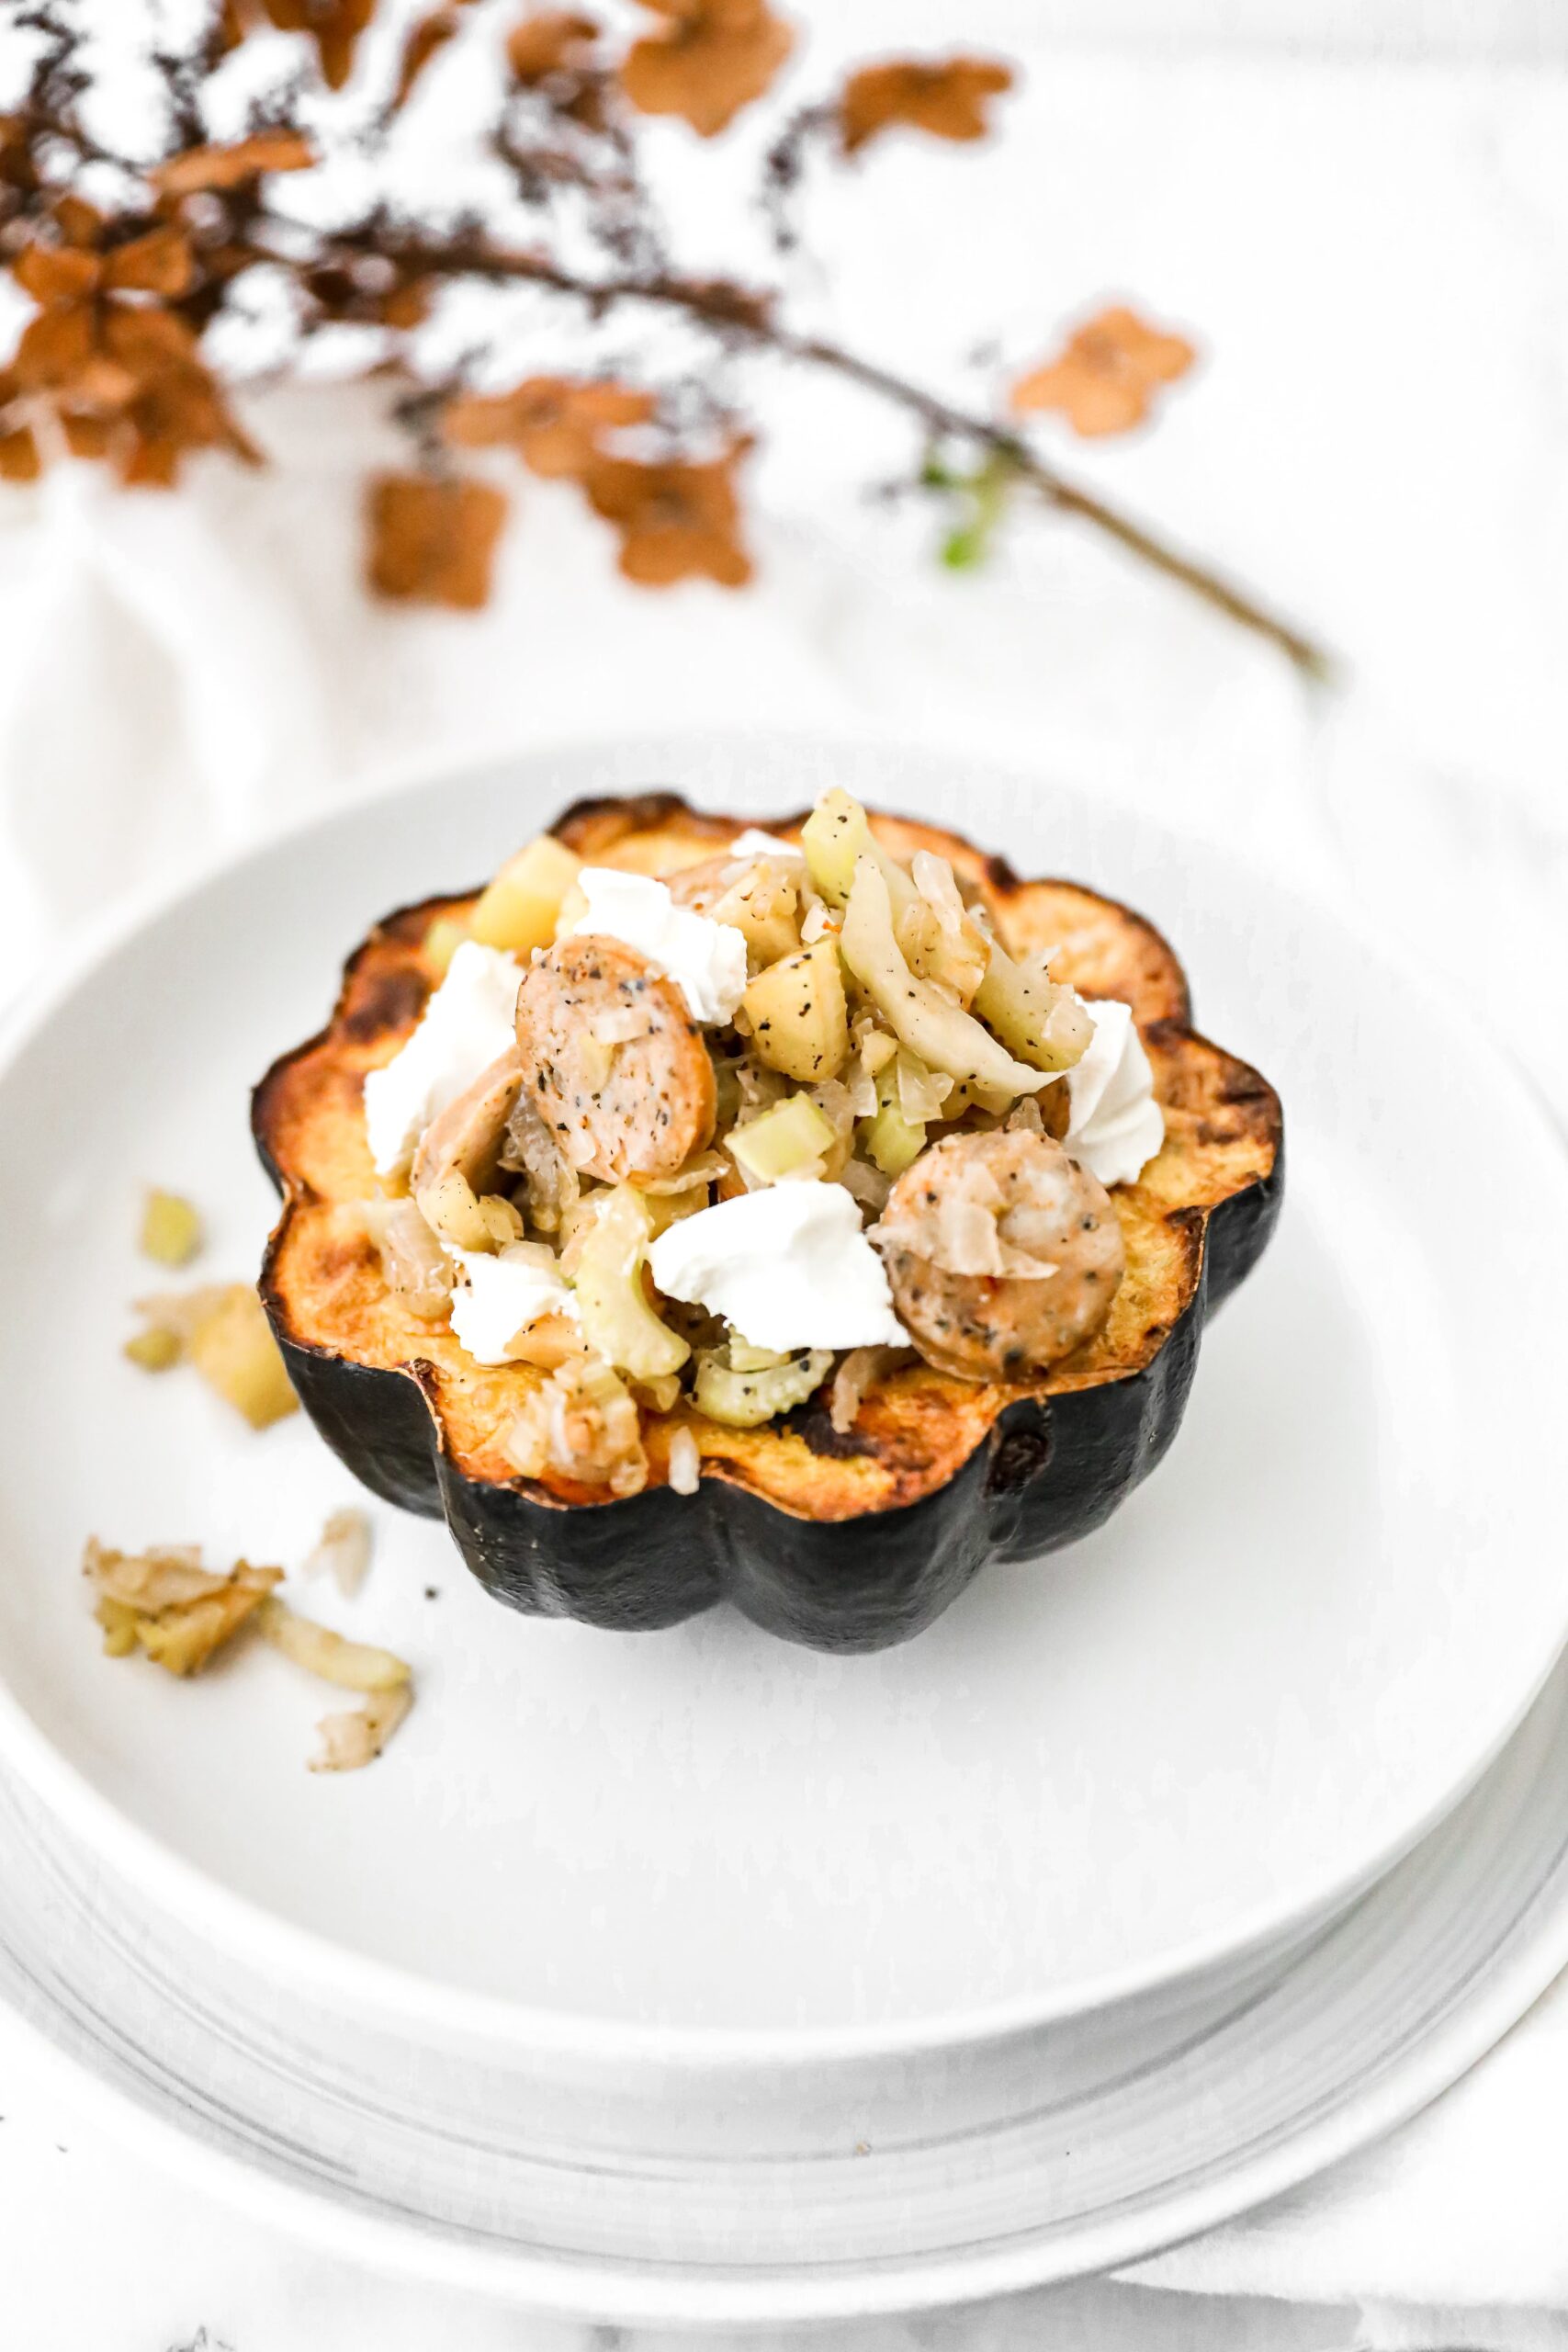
(1114,1126)
(468,1023)
(706,959)
(788,1266)
(503,1297)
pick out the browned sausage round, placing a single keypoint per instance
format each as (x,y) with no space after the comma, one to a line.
(1003,1253)
(614,1063)
(466,1138)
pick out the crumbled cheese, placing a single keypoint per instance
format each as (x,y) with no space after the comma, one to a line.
(1115,1126)
(706,959)
(504,1295)
(469,1022)
(788,1267)
(754,843)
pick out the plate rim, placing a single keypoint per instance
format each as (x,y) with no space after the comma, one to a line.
(247,1925)
(1526,1952)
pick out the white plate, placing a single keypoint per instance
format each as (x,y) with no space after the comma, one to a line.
(693,2194)
(1293,1649)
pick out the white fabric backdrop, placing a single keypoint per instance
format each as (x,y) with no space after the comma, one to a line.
(1375,258)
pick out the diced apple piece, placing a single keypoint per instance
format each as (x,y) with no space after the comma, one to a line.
(171,1229)
(520,909)
(798,1015)
(1038,1019)
(888,1139)
(233,1350)
(156,1348)
(837,832)
(763,906)
(443,940)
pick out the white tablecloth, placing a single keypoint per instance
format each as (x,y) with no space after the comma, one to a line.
(1376,257)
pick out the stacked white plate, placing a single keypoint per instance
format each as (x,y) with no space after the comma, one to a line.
(692,1975)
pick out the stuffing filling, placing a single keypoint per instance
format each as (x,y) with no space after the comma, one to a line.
(789,1120)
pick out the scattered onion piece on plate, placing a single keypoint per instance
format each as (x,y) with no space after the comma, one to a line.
(356,1736)
(166,1603)
(333,1657)
(343,1550)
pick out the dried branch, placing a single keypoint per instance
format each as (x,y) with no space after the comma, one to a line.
(745,319)
(112,364)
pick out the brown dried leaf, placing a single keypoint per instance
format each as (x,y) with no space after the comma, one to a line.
(335,26)
(408,305)
(79,222)
(102,385)
(150,343)
(85,436)
(677,520)
(56,275)
(554,40)
(54,349)
(427,36)
(19,459)
(557,423)
(946,97)
(202,168)
(1105,378)
(159,263)
(151,460)
(433,541)
(717,57)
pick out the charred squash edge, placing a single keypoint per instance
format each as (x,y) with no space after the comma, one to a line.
(803,1559)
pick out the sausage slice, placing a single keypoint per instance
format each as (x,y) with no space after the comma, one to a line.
(615,1065)
(466,1138)
(1002,1252)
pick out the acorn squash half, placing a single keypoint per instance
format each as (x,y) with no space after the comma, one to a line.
(846,1543)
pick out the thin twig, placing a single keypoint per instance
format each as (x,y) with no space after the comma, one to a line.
(741,317)
(744,318)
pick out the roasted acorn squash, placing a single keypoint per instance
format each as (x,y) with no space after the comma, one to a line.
(843,1543)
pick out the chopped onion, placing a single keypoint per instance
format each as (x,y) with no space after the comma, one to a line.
(583,1423)
(922,1092)
(352,1666)
(860,1370)
(933,879)
(685,1463)
(704,1169)
(356,1737)
(868,1184)
(343,1550)
(554,1184)
(864,1100)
